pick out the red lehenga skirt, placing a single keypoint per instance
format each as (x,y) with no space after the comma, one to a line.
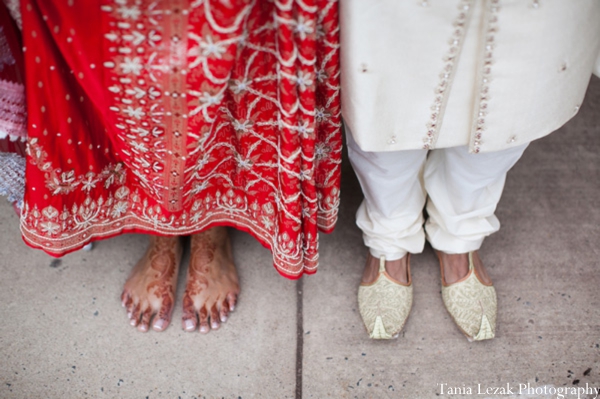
(171,116)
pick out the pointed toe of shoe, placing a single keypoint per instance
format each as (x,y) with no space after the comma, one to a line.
(384,307)
(473,307)
(486,331)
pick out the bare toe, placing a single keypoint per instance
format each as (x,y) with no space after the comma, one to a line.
(232,299)
(145,323)
(152,283)
(190,323)
(212,281)
(163,317)
(130,306)
(203,316)
(224,314)
(125,299)
(135,315)
(160,324)
(214,317)
(190,318)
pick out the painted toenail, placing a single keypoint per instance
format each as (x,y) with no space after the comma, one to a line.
(189,325)
(223,318)
(204,329)
(159,324)
(133,322)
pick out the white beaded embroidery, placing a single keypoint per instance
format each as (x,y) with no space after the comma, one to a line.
(440,100)
(490,42)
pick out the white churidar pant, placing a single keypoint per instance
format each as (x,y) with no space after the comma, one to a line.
(463,189)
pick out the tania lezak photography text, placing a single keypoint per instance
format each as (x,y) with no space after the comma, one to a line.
(524,390)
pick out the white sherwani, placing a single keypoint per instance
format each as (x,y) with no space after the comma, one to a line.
(489,74)
(472,80)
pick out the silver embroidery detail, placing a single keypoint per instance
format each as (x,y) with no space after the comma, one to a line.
(12,177)
(486,69)
(443,87)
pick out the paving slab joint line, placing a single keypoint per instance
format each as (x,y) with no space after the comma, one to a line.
(299,337)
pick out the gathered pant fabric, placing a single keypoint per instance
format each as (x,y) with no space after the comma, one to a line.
(459,190)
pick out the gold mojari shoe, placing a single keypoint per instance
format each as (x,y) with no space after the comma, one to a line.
(472,304)
(385,303)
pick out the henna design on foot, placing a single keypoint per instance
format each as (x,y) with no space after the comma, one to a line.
(150,289)
(212,284)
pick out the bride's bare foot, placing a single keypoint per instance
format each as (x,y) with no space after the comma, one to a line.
(212,282)
(150,289)
(456,266)
(397,269)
